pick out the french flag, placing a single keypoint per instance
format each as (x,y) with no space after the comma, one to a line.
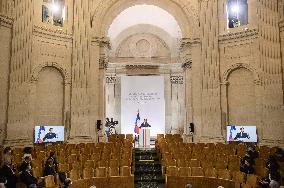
(136,127)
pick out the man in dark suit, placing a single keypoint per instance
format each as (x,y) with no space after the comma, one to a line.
(49,168)
(145,124)
(49,135)
(27,178)
(8,172)
(27,161)
(242,134)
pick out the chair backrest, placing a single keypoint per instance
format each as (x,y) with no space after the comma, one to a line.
(252,180)
(37,172)
(224,174)
(194,163)
(172,171)
(49,181)
(89,164)
(113,171)
(197,171)
(125,171)
(88,173)
(184,171)
(74,174)
(101,172)
(210,172)
(239,177)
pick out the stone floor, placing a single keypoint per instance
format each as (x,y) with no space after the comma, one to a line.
(148,170)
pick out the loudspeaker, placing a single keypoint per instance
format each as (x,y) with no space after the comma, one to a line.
(99,123)
(191,128)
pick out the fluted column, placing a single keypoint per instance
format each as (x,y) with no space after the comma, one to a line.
(210,65)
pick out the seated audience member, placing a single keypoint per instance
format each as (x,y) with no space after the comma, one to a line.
(246,165)
(53,157)
(49,168)
(7,157)
(28,179)
(188,186)
(27,152)
(271,164)
(27,161)
(271,181)
(66,181)
(279,155)
(3,181)
(8,172)
(252,152)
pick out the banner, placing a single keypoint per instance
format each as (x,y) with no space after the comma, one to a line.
(143,95)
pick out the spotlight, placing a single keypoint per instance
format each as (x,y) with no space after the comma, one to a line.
(235,9)
(55,8)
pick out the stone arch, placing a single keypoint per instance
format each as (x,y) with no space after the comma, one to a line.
(49,97)
(40,67)
(145,28)
(185,14)
(236,66)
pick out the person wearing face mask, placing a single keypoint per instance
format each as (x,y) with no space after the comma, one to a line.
(28,179)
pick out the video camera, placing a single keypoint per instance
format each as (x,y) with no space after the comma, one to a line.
(113,123)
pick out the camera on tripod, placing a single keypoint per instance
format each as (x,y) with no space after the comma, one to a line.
(113,123)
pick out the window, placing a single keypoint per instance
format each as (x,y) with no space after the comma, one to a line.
(237,13)
(53,12)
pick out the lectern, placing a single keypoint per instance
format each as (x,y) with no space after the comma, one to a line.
(144,137)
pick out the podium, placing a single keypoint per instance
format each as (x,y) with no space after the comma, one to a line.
(144,137)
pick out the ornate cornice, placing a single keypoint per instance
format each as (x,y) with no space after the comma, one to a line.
(186,42)
(6,21)
(239,35)
(101,41)
(133,66)
(281,25)
(46,32)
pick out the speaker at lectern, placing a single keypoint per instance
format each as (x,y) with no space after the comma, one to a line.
(144,137)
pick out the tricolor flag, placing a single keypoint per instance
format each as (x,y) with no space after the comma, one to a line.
(136,127)
(231,133)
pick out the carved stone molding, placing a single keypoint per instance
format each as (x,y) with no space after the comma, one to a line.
(44,31)
(234,67)
(187,42)
(176,79)
(187,65)
(238,35)
(6,21)
(110,79)
(281,25)
(101,42)
(103,63)
(141,66)
(63,71)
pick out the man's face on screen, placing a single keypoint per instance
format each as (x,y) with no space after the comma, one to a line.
(51,130)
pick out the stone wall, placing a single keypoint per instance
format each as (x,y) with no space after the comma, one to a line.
(5,57)
(221,68)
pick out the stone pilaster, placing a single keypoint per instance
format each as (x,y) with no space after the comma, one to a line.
(210,66)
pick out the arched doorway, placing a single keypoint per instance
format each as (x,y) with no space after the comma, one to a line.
(144,47)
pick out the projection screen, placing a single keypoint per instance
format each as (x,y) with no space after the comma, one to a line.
(143,94)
